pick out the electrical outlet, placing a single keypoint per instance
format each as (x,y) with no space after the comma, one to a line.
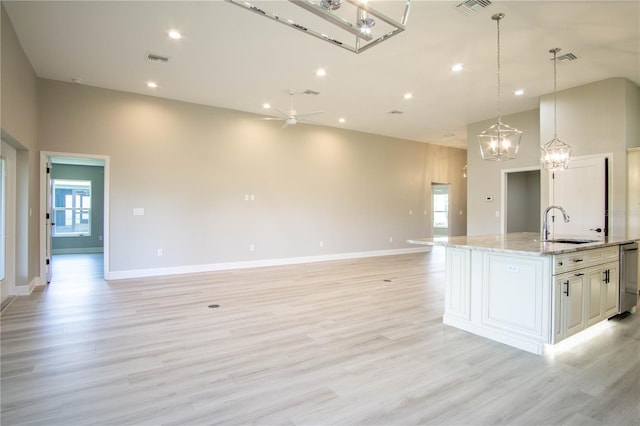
(321,243)
(160,253)
(252,247)
(390,239)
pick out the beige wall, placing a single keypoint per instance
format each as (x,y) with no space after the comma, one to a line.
(597,118)
(190,167)
(485,176)
(18,120)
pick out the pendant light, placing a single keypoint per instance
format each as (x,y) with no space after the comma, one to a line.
(499,142)
(555,153)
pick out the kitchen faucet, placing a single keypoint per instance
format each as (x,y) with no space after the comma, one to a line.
(545,229)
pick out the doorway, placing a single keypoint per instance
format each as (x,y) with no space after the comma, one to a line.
(74,208)
(521,201)
(440,209)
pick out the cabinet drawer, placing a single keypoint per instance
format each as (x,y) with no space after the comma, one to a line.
(584,259)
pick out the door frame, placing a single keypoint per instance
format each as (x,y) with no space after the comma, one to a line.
(44,187)
(432,228)
(608,186)
(11,219)
(503,191)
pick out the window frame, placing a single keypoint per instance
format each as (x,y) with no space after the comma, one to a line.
(75,216)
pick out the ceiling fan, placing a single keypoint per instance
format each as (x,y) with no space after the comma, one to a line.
(291,117)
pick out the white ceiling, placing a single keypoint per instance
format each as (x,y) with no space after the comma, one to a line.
(232,58)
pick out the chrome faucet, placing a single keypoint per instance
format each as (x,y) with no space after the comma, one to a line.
(545,229)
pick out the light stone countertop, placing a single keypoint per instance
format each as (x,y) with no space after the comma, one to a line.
(527,243)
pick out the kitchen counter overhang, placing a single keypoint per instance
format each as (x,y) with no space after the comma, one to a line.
(522,243)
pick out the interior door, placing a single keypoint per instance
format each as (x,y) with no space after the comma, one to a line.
(582,191)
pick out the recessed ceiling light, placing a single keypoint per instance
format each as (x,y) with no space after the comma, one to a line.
(408,95)
(457,68)
(321,72)
(266,105)
(341,120)
(519,92)
(175,34)
(152,84)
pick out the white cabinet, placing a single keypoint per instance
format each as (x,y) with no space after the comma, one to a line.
(610,295)
(587,290)
(526,300)
(457,297)
(570,311)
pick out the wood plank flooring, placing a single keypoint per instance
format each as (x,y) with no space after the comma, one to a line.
(334,343)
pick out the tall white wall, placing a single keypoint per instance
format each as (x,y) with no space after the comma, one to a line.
(485,176)
(190,168)
(597,118)
(18,120)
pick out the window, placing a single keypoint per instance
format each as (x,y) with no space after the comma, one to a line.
(440,210)
(71,207)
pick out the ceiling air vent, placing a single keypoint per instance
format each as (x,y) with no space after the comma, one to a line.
(395,111)
(470,7)
(567,57)
(158,59)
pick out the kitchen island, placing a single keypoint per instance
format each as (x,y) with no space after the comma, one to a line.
(524,292)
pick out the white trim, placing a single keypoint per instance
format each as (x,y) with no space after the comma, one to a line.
(503,192)
(43,201)
(78,250)
(25,290)
(192,269)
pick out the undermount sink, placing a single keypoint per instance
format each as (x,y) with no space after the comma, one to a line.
(571,241)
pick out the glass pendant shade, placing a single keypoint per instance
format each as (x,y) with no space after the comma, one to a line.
(555,153)
(499,142)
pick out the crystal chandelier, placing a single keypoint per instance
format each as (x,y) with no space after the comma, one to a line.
(499,142)
(555,153)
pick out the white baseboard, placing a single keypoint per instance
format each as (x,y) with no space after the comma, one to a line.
(81,250)
(191,269)
(25,290)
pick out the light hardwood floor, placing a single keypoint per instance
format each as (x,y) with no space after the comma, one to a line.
(348,342)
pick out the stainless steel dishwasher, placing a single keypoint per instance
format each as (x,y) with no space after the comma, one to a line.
(628,277)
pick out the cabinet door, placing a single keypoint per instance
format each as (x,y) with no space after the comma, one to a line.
(573,310)
(611,288)
(457,297)
(595,281)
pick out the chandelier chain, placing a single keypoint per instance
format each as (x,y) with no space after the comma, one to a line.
(555,95)
(499,99)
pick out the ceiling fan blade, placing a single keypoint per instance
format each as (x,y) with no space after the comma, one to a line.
(279,111)
(273,118)
(310,113)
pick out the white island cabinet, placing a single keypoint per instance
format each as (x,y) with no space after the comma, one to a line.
(518,290)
